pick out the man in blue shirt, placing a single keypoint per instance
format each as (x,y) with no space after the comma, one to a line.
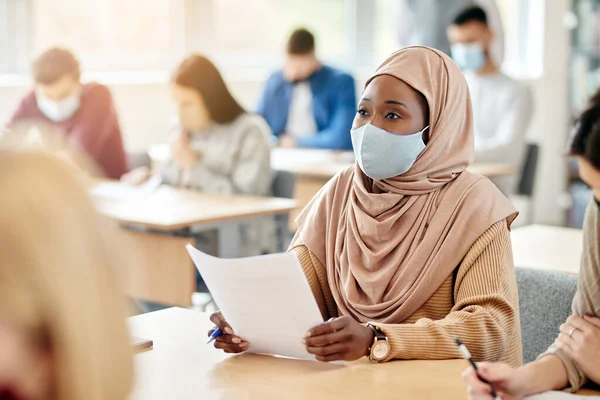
(309,104)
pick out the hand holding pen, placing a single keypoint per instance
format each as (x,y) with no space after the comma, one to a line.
(223,337)
(466,354)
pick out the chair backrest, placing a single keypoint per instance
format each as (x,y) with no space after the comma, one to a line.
(283,186)
(545,299)
(138,159)
(527,180)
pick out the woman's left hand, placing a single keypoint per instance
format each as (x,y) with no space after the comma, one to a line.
(339,339)
(580,339)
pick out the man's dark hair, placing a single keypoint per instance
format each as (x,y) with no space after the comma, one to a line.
(301,42)
(585,141)
(53,64)
(470,14)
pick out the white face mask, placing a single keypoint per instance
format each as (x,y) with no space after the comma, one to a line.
(383,155)
(469,57)
(58,111)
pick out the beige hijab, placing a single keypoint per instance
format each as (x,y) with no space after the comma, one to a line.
(389,245)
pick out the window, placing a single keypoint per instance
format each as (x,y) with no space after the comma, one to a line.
(386,27)
(238,30)
(523,23)
(106,35)
(121,35)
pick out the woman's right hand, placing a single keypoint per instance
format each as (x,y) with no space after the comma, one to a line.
(227,341)
(505,379)
(137,176)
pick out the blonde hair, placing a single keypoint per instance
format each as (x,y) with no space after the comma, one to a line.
(57,276)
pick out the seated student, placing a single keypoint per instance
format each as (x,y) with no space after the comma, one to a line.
(85,113)
(407,240)
(308,104)
(574,358)
(222,149)
(62,323)
(502,107)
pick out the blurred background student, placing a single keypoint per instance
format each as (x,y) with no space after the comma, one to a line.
(84,112)
(309,104)
(62,320)
(502,107)
(221,149)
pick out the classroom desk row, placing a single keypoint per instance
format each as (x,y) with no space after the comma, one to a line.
(160,270)
(181,366)
(314,167)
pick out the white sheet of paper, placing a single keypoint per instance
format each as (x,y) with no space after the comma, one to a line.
(266,300)
(124,191)
(559,396)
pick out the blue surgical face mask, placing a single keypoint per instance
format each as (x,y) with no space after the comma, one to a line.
(469,57)
(383,155)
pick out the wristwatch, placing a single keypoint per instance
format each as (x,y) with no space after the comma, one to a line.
(380,348)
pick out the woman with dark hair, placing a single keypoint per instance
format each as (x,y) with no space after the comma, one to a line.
(221,148)
(574,358)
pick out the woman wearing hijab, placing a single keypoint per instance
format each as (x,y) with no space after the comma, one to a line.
(407,250)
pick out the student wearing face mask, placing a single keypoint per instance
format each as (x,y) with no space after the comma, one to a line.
(308,104)
(574,358)
(221,148)
(406,249)
(502,107)
(85,113)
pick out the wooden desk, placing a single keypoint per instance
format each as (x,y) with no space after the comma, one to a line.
(181,366)
(161,270)
(547,247)
(168,208)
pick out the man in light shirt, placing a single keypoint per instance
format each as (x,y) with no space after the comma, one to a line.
(309,104)
(502,107)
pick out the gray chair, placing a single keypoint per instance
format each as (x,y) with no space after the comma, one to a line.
(527,179)
(545,302)
(283,186)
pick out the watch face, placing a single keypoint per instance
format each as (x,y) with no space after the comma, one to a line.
(381,350)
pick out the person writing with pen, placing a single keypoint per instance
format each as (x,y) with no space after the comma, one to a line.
(574,358)
(406,249)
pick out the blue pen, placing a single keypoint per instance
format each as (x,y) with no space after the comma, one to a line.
(218,332)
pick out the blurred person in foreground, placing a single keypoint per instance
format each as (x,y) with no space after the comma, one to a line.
(62,322)
(83,112)
(574,358)
(309,104)
(221,148)
(502,107)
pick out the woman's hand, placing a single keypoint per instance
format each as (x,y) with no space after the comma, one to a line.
(505,379)
(182,153)
(137,176)
(227,341)
(339,339)
(580,339)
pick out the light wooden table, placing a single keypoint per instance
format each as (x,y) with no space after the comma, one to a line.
(182,366)
(161,270)
(548,247)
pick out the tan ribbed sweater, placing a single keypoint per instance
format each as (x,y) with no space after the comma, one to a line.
(477,303)
(587,297)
